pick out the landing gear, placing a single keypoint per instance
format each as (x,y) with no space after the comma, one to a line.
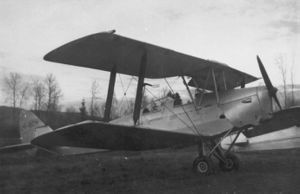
(203,164)
(231,162)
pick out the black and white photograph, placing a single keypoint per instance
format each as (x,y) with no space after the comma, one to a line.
(152,96)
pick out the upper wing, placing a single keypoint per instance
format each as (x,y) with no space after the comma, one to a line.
(226,78)
(105,50)
(111,136)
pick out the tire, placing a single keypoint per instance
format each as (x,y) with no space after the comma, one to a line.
(203,165)
(232,163)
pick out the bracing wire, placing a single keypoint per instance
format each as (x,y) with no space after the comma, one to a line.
(125,91)
(169,86)
(170,110)
(188,116)
(194,128)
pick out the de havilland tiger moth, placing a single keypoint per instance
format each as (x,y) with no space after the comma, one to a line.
(223,105)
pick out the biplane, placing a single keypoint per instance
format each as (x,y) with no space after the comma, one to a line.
(222,105)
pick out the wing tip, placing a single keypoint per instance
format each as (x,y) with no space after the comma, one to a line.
(51,56)
(46,57)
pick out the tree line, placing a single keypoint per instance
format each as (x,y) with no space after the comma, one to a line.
(42,93)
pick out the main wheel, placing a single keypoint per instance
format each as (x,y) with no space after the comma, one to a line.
(203,165)
(231,163)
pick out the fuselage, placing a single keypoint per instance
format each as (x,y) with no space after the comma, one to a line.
(209,117)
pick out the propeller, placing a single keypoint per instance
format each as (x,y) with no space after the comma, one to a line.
(271,89)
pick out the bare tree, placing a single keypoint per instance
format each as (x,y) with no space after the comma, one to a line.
(287,74)
(53,93)
(115,113)
(283,71)
(38,91)
(12,86)
(24,94)
(16,89)
(94,108)
(293,84)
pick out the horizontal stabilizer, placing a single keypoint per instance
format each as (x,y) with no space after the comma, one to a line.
(17,147)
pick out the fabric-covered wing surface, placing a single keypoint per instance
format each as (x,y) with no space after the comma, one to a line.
(113,137)
(105,50)
(226,78)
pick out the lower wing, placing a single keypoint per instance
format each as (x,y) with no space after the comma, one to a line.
(99,135)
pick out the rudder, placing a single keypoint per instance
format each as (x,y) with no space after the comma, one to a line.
(31,126)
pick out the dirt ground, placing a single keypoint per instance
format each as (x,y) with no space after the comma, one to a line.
(163,171)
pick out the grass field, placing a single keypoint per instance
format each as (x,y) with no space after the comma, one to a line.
(163,171)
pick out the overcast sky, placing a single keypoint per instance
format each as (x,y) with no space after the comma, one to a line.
(232,32)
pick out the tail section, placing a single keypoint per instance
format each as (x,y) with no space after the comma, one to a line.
(31,126)
(28,125)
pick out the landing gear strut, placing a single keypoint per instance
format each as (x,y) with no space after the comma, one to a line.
(203,164)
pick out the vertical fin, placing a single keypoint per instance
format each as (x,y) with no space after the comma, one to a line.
(30,126)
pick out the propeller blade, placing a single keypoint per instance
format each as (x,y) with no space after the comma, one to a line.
(277,101)
(265,75)
(271,89)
